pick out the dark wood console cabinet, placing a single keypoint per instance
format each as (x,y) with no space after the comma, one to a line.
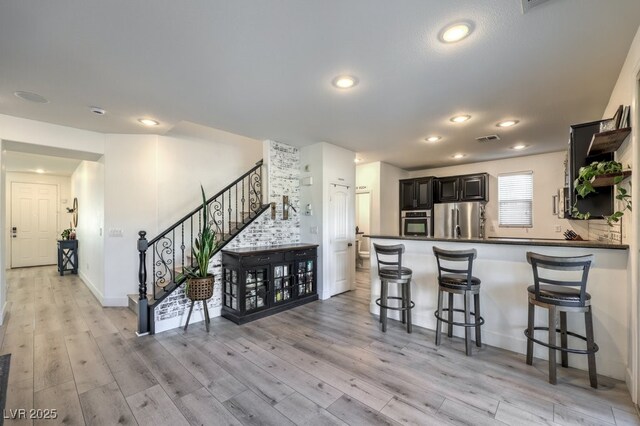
(260,281)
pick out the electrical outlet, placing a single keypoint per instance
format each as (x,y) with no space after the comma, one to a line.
(558,228)
(115,232)
(314,230)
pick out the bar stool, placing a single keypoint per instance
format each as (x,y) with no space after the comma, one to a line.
(563,296)
(458,281)
(390,270)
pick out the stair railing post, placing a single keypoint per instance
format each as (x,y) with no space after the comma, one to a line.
(143,303)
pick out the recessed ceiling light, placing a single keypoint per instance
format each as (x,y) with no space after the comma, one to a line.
(460,118)
(507,123)
(31,97)
(148,122)
(40,171)
(458,156)
(97,110)
(455,32)
(519,147)
(345,81)
(433,138)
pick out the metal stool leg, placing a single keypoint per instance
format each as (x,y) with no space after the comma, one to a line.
(450,330)
(189,315)
(384,301)
(593,375)
(530,325)
(564,356)
(408,303)
(476,300)
(438,321)
(403,294)
(552,342)
(467,319)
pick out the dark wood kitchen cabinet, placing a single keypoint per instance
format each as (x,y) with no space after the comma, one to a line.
(416,194)
(260,281)
(452,189)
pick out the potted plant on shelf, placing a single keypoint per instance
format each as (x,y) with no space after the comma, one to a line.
(600,174)
(199,286)
(66,234)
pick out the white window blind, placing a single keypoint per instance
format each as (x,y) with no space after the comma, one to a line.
(515,199)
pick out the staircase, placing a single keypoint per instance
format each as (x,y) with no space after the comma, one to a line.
(229,212)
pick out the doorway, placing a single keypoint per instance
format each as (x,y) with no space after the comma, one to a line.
(363,225)
(339,241)
(34,224)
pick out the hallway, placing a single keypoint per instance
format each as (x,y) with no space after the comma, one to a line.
(322,363)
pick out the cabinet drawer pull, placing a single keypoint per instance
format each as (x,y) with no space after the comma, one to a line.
(264,258)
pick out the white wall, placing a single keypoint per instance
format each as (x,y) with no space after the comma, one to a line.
(184,162)
(3,202)
(389,198)
(548,177)
(87,185)
(625,92)
(63,183)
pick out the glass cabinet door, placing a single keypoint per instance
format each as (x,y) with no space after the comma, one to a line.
(256,288)
(282,283)
(230,288)
(305,273)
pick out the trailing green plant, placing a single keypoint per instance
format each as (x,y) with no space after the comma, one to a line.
(203,247)
(66,233)
(584,186)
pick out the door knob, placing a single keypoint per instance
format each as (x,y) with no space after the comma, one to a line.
(349,244)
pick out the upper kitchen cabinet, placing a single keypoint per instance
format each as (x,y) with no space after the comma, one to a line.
(447,189)
(598,204)
(462,188)
(416,194)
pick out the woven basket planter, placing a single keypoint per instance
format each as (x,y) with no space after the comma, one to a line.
(200,288)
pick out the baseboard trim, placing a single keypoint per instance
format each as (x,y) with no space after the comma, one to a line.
(3,314)
(89,284)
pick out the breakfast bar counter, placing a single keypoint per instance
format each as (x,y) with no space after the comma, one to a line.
(502,266)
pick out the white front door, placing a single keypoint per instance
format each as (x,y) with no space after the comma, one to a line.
(33,224)
(339,234)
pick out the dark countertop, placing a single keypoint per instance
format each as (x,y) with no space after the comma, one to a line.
(514,241)
(269,249)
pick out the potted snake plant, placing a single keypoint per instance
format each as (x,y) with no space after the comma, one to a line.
(199,281)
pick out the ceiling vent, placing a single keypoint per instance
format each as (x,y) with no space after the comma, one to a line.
(490,138)
(529,4)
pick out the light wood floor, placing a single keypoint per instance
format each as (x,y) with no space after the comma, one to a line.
(323,363)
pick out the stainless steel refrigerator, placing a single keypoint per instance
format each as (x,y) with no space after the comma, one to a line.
(459,220)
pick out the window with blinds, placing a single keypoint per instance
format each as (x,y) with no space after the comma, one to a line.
(515,199)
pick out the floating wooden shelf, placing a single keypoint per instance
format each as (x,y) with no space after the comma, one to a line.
(605,142)
(608,179)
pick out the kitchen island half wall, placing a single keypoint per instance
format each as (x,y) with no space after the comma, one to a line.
(502,266)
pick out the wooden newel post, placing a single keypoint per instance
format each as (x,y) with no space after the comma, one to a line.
(143,306)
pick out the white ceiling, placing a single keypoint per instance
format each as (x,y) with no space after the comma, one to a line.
(263,69)
(29,163)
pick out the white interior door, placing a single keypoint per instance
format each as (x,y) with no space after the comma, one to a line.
(339,234)
(34,218)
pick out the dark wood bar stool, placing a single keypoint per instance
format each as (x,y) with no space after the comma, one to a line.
(562,296)
(390,270)
(457,280)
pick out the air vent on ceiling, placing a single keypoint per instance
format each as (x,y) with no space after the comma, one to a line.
(529,4)
(490,138)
